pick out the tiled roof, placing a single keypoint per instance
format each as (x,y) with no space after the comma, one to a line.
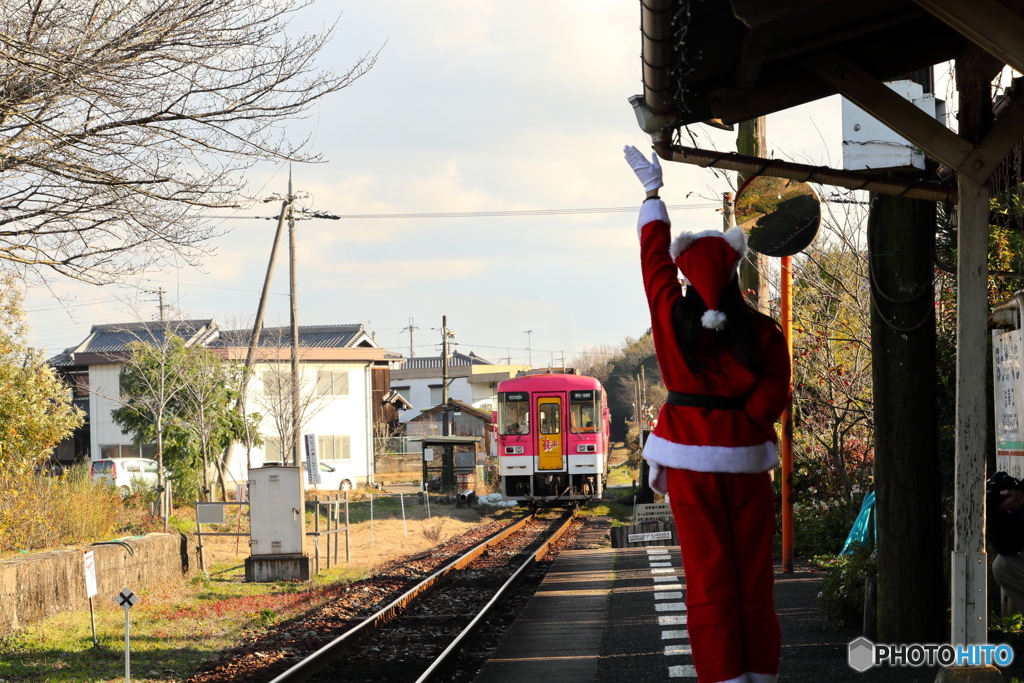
(455,360)
(65,359)
(310,336)
(116,337)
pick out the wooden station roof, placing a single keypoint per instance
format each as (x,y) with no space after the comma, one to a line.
(740,59)
(725,61)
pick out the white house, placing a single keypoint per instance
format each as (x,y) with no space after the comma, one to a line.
(472,380)
(343,389)
(344,386)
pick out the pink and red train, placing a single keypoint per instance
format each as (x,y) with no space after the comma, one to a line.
(553,438)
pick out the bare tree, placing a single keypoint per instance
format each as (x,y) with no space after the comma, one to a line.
(274,400)
(120,120)
(832,383)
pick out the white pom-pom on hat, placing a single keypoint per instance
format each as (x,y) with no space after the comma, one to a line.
(713,320)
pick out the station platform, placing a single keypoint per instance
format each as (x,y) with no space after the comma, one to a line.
(605,615)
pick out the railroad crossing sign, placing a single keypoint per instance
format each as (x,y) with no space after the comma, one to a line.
(126,599)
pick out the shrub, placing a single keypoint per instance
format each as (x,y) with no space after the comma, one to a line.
(46,512)
(433,529)
(821,529)
(842,589)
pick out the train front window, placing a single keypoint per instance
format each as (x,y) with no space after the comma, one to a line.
(514,412)
(584,407)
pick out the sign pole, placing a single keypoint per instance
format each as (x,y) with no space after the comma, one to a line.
(90,590)
(405,527)
(127,648)
(92,620)
(126,599)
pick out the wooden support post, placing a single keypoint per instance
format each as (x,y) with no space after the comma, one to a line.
(969,560)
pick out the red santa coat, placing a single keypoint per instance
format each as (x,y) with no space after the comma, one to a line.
(707,439)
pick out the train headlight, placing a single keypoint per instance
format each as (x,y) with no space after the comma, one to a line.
(586,448)
(513,450)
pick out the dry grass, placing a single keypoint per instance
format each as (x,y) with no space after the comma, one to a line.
(39,512)
(178,624)
(370,543)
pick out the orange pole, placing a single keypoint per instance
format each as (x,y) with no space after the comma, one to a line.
(786,319)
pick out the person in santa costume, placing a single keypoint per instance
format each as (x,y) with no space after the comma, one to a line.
(727,370)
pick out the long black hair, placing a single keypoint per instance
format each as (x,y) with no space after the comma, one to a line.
(739,336)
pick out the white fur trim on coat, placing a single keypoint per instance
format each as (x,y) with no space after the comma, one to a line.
(650,211)
(736,238)
(735,459)
(761,678)
(713,320)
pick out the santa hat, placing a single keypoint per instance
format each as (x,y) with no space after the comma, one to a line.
(708,261)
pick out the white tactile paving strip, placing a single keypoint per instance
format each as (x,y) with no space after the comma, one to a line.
(668,593)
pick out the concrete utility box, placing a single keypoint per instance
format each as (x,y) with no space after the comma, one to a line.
(277,525)
(870,144)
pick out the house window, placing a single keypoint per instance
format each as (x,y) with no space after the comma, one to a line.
(276,382)
(334,448)
(127,451)
(436,394)
(332,383)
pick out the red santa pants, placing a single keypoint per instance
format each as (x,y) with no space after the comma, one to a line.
(725,524)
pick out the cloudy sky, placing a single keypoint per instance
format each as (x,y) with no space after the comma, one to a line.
(473,106)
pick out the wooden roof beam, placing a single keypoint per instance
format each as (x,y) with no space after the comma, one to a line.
(877,99)
(987,23)
(752,55)
(1004,135)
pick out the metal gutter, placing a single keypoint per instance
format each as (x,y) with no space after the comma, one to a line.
(655,109)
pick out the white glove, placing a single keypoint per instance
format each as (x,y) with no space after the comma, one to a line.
(649,172)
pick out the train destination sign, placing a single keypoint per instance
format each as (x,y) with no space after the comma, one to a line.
(581,395)
(516,396)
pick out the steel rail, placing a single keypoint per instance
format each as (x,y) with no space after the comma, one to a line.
(506,588)
(322,657)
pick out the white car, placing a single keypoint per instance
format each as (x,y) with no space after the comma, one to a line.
(122,472)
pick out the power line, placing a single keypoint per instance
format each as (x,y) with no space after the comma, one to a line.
(482,214)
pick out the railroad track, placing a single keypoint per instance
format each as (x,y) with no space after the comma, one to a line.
(417,634)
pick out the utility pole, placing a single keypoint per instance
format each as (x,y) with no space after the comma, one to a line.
(292,294)
(900,238)
(529,352)
(257,328)
(445,334)
(162,308)
(752,139)
(411,327)
(728,211)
